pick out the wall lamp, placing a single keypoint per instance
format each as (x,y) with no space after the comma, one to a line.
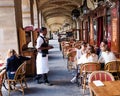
(75,13)
(107,3)
(84,8)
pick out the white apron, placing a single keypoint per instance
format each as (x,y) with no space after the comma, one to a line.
(42,64)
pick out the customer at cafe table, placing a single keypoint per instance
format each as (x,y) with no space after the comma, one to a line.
(89,56)
(107,56)
(102,47)
(13,61)
(82,50)
(42,57)
(79,53)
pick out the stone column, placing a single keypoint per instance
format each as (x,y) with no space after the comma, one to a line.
(8,30)
(18,18)
(78,27)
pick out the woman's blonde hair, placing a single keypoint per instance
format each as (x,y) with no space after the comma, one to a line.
(11,52)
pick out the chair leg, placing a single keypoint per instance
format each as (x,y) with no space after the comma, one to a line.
(83,89)
(1,93)
(91,93)
(69,65)
(81,81)
(9,88)
(118,76)
(84,83)
(78,79)
(22,87)
(25,83)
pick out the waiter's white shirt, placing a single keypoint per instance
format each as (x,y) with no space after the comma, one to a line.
(41,62)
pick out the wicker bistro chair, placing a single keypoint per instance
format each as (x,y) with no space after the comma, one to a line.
(71,61)
(19,78)
(85,70)
(63,46)
(100,75)
(65,50)
(2,74)
(114,68)
(118,62)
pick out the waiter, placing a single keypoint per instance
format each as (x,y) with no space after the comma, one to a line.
(42,57)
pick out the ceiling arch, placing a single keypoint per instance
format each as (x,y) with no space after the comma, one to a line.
(60,10)
(58,20)
(67,16)
(54,8)
(55,26)
(57,12)
(58,2)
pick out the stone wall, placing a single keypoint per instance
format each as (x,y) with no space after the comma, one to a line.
(8,34)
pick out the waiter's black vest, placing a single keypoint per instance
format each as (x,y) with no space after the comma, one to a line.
(45,51)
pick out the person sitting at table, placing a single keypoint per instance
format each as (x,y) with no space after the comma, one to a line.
(79,53)
(89,56)
(82,50)
(107,56)
(102,48)
(13,61)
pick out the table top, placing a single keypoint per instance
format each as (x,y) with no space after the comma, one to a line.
(118,59)
(110,88)
(2,65)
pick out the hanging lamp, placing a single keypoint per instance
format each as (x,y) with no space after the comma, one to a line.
(84,7)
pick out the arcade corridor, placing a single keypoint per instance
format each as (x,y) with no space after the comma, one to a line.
(59,76)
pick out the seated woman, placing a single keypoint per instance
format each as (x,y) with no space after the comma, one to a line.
(82,50)
(89,56)
(13,62)
(107,56)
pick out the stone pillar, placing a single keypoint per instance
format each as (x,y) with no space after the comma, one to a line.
(27,14)
(78,27)
(8,31)
(36,14)
(18,19)
(31,12)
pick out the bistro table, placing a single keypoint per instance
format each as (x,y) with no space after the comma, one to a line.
(2,65)
(110,88)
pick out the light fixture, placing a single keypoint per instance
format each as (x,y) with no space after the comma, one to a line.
(100,2)
(110,4)
(84,8)
(75,13)
(106,3)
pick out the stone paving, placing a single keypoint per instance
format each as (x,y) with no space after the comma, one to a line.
(59,76)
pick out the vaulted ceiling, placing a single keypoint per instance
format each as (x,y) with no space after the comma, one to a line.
(57,12)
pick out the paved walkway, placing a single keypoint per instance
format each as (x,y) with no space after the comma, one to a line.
(58,75)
